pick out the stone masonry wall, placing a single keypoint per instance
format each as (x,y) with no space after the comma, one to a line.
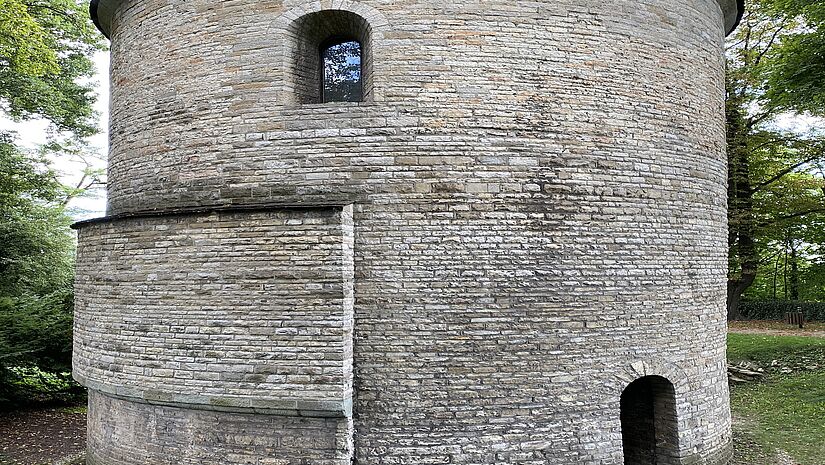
(538,210)
(127,433)
(245,309)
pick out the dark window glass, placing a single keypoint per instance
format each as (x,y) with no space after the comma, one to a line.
(341,72)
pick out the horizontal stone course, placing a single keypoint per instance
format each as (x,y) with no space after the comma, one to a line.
(232,310)
(157,434)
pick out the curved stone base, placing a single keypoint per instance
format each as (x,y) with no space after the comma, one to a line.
(722,456)
(122,432)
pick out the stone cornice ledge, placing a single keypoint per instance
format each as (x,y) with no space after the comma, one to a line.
(102,12)
(307,408)
(214,209)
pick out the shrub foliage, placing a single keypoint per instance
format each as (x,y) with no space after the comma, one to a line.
(776,309)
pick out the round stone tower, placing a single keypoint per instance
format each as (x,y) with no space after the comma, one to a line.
(508,246)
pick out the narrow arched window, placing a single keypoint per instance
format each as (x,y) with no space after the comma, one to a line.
(331,58)
(341,71)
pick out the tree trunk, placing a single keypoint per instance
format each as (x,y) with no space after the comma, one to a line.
(775,274)
(785,275)
(735,289)
(744,256)
(739,284)
(794,273)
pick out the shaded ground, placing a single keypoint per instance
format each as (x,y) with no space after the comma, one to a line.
(38,437)
(776,328)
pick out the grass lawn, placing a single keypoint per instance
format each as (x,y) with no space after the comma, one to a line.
(763,350)
(787,410)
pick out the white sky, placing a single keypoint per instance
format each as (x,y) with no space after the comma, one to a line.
(33,133)
(800,123)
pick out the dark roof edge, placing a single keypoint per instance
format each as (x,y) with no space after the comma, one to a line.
(93,4)
(740,6)
(213,209)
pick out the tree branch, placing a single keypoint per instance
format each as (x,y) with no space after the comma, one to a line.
(782,173)
(791,216)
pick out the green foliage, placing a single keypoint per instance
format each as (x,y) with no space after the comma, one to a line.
(23,42)
(36,245)
(775,281)
(776,188)
(45,66)
(36,260)
(45,50)
(30,385)
(37,330)
(794,72)
(776,309)
(43,354)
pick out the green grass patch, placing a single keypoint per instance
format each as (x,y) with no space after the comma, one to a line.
(790,412)
(763,350)
(787,410)
(75,410)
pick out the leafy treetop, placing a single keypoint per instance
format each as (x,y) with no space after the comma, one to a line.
(45,50)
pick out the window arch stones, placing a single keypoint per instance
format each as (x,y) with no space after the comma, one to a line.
(310,38)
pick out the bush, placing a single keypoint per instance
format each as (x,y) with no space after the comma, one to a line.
(776,309)
(23,386)
(36,350)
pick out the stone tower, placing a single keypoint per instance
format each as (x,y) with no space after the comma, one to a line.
(511,250)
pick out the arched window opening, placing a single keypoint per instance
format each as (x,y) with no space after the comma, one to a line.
(341,71)
(650,434)
(331,59)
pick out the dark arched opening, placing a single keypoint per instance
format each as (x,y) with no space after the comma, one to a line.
(650,434)
(331,58)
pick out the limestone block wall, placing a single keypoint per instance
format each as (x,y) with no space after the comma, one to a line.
(537,196)
(146,433)
(235,311)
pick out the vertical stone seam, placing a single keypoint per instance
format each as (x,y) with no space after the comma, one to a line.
(348,280)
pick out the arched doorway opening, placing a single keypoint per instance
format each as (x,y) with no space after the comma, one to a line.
(650,434)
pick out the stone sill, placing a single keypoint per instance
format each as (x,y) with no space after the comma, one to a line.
(309,408)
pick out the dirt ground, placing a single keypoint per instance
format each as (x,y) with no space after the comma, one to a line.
(776,328)
(39,437)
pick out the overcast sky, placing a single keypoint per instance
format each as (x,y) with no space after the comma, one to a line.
(33,133)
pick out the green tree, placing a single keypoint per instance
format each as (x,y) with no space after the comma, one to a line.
(36,259)
(796,68)
(45,69)
(771,185)
(45,50)
(36,244)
